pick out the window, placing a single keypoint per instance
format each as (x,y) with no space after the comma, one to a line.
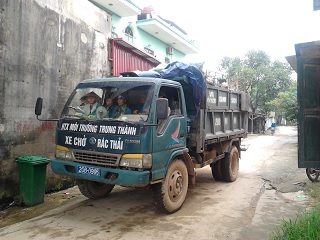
(113,32)
(129,34)
(149,50)
(174,101)
(173,95)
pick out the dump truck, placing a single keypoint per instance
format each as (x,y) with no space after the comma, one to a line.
(186,124)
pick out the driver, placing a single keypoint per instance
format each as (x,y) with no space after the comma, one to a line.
(122,107)
(91,104)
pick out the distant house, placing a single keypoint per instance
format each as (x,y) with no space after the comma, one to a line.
(141,39)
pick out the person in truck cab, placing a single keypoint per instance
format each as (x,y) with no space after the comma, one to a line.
(122,107)
(91,101)
(142,106)
(110,107)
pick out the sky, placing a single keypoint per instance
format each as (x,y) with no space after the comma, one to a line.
(233,27)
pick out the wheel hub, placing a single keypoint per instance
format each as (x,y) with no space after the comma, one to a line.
(175,185)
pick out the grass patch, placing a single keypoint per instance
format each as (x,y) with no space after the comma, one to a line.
(306,226)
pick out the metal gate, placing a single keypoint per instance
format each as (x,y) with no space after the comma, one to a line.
(308,69)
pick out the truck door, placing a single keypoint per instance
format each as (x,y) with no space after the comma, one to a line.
(308,63)
(171,133)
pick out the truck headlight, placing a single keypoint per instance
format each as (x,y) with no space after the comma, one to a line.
(136,160)
(63,152)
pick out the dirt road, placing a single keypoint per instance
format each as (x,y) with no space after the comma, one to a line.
(268,190)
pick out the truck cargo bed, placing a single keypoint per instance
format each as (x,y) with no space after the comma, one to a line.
(223,116)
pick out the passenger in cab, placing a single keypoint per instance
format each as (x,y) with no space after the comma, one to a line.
(142,106)
(122,107)
(110,107)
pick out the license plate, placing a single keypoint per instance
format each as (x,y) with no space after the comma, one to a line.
(88,170)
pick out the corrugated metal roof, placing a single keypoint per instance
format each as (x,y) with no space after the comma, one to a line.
(127,57)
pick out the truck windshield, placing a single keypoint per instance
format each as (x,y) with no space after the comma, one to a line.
(110,100)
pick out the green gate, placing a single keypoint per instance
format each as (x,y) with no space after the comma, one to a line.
(308,69)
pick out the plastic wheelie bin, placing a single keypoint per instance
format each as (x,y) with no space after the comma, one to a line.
(32,180)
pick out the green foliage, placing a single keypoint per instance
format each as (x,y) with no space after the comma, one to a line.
(286,103)
(305,226)
(257,75)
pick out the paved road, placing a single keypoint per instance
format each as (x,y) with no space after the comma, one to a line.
(264,194)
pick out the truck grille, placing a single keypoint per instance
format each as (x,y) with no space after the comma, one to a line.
(95,158)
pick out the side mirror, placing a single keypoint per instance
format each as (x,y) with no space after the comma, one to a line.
(38,110)
(162,108)
(38,107)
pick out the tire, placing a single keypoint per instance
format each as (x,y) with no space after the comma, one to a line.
(312,174)
(272,131)
(18,200)
(169,195)
(230,165)
(94,190)
(216,171)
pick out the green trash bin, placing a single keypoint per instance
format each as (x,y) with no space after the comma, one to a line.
(32,180)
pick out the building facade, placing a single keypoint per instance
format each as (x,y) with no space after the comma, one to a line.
(141,39)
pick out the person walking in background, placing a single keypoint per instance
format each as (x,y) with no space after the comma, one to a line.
(273,128)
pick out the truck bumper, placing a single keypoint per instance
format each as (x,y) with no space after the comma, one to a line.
(107,175)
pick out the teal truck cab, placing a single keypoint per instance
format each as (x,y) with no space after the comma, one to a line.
(182,124)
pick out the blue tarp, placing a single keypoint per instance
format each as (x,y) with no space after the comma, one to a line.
(180,69)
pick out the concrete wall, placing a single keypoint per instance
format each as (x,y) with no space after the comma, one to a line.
(46,48)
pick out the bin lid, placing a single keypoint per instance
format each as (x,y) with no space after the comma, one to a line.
(32,160)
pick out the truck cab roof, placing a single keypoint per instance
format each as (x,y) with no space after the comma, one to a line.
(133,79)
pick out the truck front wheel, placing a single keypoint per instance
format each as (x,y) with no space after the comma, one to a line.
(94,190)
(169,195)
(230,165)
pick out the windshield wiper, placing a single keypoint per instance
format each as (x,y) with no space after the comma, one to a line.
(77,116)
(112,120)
(77,109)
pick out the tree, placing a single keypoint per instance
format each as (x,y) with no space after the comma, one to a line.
(286,103)
(257,75)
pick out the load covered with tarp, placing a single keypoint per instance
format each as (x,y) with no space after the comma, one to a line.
(175,70)
(179,69)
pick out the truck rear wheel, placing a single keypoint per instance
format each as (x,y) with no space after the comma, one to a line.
(94,190)
(169,195)
(216,171)
(230,165)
